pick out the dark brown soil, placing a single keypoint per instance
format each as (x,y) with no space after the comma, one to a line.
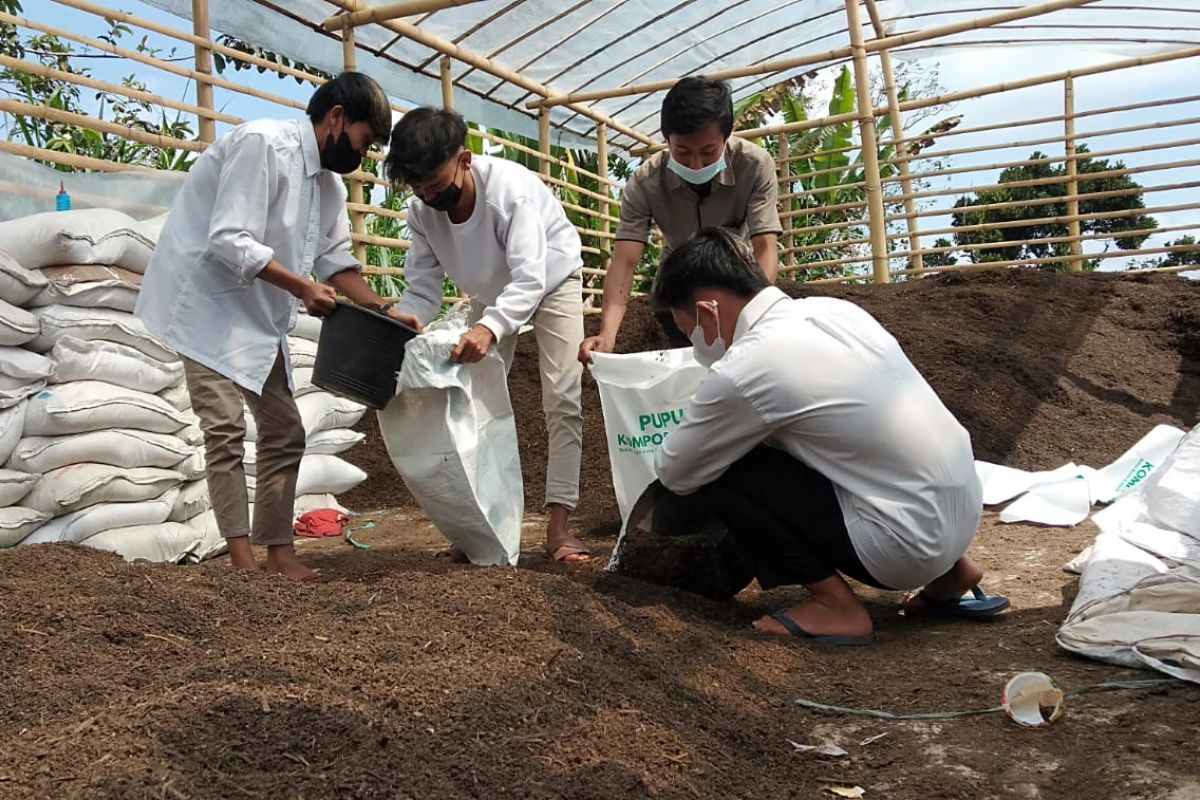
(404,676)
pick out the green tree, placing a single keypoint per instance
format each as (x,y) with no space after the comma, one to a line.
(1022,207)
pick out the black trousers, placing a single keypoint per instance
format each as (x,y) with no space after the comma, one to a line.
(784,518)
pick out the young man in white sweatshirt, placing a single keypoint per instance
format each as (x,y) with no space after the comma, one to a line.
(494,229)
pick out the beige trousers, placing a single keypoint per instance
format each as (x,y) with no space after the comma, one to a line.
(217,401)
(558,327)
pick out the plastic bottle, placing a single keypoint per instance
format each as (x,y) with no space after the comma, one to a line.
(62,201)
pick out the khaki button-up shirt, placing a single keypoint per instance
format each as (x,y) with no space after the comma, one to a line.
(743,197)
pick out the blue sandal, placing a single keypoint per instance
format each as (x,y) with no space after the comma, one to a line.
(975,607)
(834,641)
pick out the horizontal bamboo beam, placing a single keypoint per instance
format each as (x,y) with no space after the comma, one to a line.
(388,12)
(1061,219)
(380,241)
(377,210)
(772,67)
(99,125)
(479,62)
(70,159)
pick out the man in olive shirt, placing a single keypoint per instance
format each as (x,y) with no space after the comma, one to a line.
(704,179)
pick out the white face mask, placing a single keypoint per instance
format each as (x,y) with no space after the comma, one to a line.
(697,177)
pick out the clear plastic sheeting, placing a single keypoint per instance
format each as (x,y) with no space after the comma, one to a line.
(27,187)
(589,45)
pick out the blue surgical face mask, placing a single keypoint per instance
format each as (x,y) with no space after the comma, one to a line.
(697,177)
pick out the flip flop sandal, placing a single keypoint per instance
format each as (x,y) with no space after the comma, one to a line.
(834,641)
(571,547)
(977,606)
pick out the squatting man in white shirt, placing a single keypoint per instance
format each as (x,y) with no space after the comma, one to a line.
(494,228)
(261,214)
(820,447)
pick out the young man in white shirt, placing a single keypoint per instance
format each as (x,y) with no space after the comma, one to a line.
(261,215)
(706,177)
(494,229)
(819,445)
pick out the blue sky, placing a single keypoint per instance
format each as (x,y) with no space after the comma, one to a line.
(958,71)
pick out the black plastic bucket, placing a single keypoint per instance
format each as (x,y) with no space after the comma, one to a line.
(359,353)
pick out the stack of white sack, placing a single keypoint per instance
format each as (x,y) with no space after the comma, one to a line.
(99,457)
(97,438)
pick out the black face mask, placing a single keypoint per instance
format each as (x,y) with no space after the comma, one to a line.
(447,199)
(340,156)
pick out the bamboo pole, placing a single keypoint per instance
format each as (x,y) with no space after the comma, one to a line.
(784,174)
(447,82)
(771,67)
(69,159)
(602,209)
(203,61)
(1063,219)
(544,142)
(99,125)
(358,220)
(520,148)
(387,12)
(50,73)
(479,62)
(1073,227)
(893,101)
(151,61)
(969,94)
(190,38)
(870,145)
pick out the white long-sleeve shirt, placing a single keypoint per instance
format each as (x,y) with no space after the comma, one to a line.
(258,193)
(820,379)
(516,246)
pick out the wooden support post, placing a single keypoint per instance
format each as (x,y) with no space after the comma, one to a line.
(358,220)
(603,207)
(544,142)
(916,262)
(785,174)
(1074,245)
(447,83)
(870,146)
(204,92)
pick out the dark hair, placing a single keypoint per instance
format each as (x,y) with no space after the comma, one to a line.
(423,140)
(714,258)
(693,104)
(361,97)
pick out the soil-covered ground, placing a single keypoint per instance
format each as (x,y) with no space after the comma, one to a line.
(404,676)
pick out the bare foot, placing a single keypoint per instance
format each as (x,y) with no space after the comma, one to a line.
(241,555)
(560,545)
(962,577)
(833,610)
(281,560)
(456,555)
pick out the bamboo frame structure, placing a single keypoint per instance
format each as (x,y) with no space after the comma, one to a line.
(897,200)
(390,11)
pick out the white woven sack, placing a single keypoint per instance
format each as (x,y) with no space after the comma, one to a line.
(17,362)
(97,323)
(322,411)
(14,390)
(84,236)
(111,362)
(321,475)
(15,485)
(333,441)
(118,447)
(306,327)
(17,326)
(18,285)
(177,396)
(80,525)
(192,467)
(302,382)
(12,423)
(211,543)
(82,406)
(192,501)
(17,522)
(78,486)
(89,286)
(166,542)
(303,352)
